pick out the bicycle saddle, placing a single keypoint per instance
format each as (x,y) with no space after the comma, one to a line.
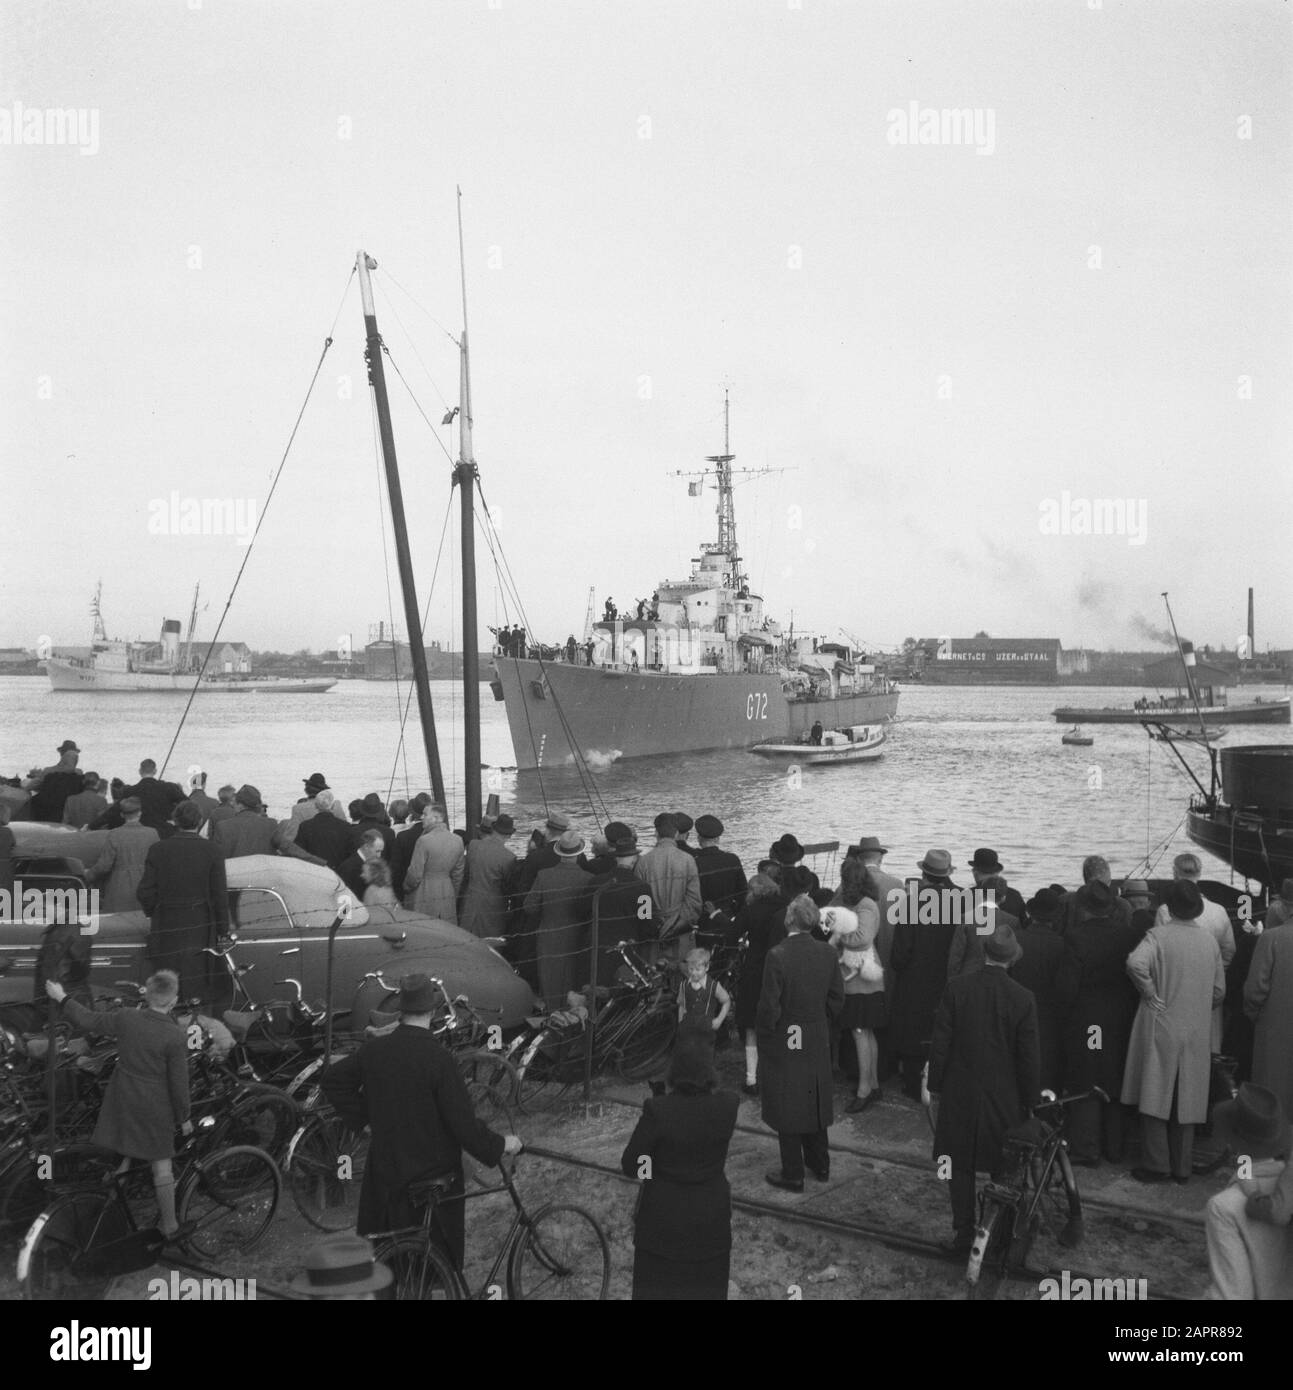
(239,1024)
(424,1191)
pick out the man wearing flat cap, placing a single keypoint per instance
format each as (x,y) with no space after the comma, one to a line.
(307,807)
(409,1092)
(985,1064)
(626,908)
(722,876)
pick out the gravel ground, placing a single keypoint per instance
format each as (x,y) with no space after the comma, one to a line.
(1126,1235)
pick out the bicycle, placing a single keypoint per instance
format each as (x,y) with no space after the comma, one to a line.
(633,1029)
(559,1253)
(225,1202)
(1036,1188)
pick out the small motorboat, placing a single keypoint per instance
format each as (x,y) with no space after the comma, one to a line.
(858,744)
(1204,735)
(1075,738)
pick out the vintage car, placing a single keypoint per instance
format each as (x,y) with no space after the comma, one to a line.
(280,910)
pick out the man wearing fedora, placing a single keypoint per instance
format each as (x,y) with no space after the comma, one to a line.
(373,816)
(51,786)
(1188,868)
(342,1267)
(307,807)
(985,1064)
(408,1090)
(626,909)
(919,961)
(986,865)
(491,868)
(789,853)
(558,914)
(251,831)
(1250,1240)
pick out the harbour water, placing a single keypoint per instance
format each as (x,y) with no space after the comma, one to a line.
(964,767)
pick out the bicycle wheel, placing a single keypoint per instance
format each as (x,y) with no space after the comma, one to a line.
(262,1116)
(491,1070)
(563,1255)
(647,1039)
(227,1201)
(986,1266)
(67,1252)
(422,1273)
(547,1067)
(324,1169)
(1054,1203)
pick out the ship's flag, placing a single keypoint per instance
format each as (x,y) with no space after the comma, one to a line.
(693,489)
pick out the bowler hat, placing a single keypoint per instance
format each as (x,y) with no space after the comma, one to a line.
(504,825)
(1183,899)
(570,844)
(248,796)
(937,863)
(787,850)
(556,821)
(986,861)
(417,995)
(316,782)
(67,746)
(709,827)
(341,1264)
(1003,945)
(869,843)
(1253,1123)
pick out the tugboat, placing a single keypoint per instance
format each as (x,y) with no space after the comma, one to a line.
(860,744)
(701,667)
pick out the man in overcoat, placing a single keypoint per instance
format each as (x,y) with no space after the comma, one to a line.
(722,875)
(558,911)
(1268,1001)
(1178,973)
(919,964)
(408,1090)
(326,836)
(626,908)
(252,832)
(158,798)
(802,995)
(985,1063)
(184,892)
(491,869)
(120,864)
(1099,1006)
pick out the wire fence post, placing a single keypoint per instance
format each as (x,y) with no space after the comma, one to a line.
(590,1031)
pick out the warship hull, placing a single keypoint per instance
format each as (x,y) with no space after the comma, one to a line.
(610,713)
(63,675)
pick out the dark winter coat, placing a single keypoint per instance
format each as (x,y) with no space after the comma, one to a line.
(626,911)
(408,1090)
(802,995)
(1040,970)
(148,1095)
(919,964)
(1098,994)
(558,910)
(722,878)
(685,1208)
(985,1064)
(754,922)
(331,839)
(185,895)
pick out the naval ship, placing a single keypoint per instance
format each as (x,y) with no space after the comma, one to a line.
(702,668)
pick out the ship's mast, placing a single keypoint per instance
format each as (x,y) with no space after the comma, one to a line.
(100,633)
(726,508)
(193,620)
(412,618)
(465,476)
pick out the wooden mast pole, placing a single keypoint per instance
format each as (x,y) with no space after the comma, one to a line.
(412,618)
(465,475)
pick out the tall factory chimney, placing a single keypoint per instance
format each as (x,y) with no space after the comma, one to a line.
(1252,649)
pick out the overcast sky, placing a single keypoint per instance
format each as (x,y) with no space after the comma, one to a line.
(1087,295)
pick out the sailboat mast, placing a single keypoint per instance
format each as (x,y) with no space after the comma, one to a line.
(465,475)
(412,618)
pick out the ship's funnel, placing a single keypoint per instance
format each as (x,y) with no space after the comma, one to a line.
(170,640)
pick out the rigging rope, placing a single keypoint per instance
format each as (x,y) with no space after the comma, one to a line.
(260,521)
